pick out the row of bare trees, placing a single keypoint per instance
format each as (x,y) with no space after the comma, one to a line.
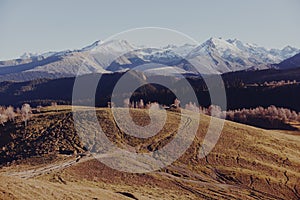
(242,115)
(271,112)
(271,117)
(10,113)
(137,104)
(25,112)
(280,83)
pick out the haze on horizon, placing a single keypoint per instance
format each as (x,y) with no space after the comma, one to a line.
(41,26)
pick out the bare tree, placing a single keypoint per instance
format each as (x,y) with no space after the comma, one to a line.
(3,119)
(131,104)
(127,103)
(298,118)
(141,104)
(177,103)
(147,106)
(39,109)
(18,111)
(113,105)
(10,113)
(192,107)
(214,111)
(54,104)
(2,109)
(203,110)
(294,116)
(26,113)
(154,106)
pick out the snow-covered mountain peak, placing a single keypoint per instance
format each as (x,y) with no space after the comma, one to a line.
(289,49)
(214,42)
(114,46)
(222,45)
(180,50)
(241,45)
(215,45)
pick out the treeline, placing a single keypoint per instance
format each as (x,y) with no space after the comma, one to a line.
(239,95)
(138,104)
(271,112)
(24,113)
(269,118)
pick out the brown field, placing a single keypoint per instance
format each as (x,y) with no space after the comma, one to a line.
(246,163)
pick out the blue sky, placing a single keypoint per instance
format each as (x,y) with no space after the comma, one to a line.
(40,26)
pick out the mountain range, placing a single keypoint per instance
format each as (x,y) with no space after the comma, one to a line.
(214,56)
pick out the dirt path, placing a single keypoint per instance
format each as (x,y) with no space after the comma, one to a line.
(30,173)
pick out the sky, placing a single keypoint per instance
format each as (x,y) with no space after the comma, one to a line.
(54,25)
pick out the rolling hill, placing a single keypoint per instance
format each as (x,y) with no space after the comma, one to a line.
(246,163)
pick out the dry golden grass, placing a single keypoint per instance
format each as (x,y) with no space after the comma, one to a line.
(246,163)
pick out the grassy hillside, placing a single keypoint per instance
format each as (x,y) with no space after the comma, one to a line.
(246,163)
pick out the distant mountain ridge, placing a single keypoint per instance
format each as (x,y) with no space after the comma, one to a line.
(216,55)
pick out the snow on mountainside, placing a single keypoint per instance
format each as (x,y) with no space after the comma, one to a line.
(267,55)
(108,52)
(215,55)
(233,55)
(183,50)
